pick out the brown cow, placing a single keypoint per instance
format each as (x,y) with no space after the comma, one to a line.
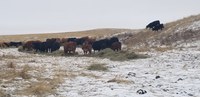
(2,45)
(63,40)
(87,48)
(69,47)
(116,46)
(91,40)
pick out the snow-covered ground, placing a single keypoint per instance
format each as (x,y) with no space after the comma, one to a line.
(174,73)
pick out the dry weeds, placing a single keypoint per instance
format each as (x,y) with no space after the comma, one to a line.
(11,65)
(97,67)
(43,86)
(9,57)
(120,81)
(118,56)
(24,72)
(89,75)
(38,89)
(2,93)
(163,49)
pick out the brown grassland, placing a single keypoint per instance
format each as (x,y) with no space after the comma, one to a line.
(96,33)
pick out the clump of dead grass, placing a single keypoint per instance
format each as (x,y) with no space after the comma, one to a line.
(163,49)
(38,88)
(11,72)
(2,93)
(9,57)
(24,72)
(97,67)
(120,81)
(142,49)
(118,56)
(44,86)
(20,49)
(89,75)
(11,65)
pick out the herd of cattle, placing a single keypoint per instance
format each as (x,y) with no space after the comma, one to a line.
(155,26)
(69,44)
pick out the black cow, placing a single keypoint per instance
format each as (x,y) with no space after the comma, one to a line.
(152,24)
(112,40)
(80,41)
(71,40)
(55,46)
(46,46)
(52,44)
(16,44)
(36,46)
(101,44)
(158,27)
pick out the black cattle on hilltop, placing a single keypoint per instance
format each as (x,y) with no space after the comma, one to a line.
(158,27)
(152,24)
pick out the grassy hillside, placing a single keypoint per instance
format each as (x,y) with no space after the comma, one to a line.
(183,30)
(180,31)
(93,33)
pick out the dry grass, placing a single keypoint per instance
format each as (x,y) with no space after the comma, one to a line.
(120,81)
(89,75)
(38,89)
(162,49)
(11,72)
(140,38)
(9,57)
(118,56)
(97,67)
(168,36)
(92,33)
(43,86)
(11,65)
(142,49)
(24,72)
(2,93)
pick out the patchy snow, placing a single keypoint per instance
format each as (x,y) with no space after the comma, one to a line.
(194,26)
(175,73)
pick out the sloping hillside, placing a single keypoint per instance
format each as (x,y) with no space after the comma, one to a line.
(93,33)
(174,33)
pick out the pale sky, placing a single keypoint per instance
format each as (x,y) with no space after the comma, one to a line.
(46,16)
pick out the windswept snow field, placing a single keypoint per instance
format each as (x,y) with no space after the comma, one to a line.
(175,73)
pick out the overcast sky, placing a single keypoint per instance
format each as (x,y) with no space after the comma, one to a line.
(43,16)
